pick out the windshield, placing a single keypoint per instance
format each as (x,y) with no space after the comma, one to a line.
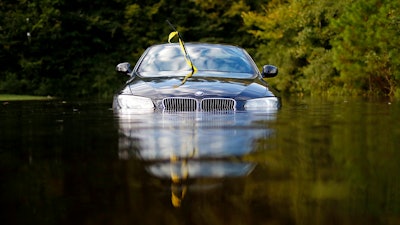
(215,58)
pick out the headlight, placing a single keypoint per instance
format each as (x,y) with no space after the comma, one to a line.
(267,103)
(135,102)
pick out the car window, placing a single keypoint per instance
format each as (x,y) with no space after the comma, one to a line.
(204,57)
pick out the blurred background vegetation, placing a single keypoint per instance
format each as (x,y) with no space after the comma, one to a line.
(70,48)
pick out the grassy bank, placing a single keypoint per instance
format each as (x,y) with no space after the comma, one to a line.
(9,97)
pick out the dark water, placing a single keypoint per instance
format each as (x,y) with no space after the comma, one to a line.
(316,161)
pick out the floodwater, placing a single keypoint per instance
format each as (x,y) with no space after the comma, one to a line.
(315,161)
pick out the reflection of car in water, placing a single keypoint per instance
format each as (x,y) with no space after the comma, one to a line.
(186,146)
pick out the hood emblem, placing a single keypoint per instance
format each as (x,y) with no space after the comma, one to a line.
(199,93)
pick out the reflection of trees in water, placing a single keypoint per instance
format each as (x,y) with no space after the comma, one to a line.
(53,162)
(325,169)
(327,164)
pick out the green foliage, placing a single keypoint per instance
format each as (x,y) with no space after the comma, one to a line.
(70,48)
(366,48)
(324,46)
(295,36)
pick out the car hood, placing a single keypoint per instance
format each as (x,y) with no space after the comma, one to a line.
(199,87)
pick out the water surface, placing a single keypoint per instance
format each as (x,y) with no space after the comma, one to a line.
(316,161)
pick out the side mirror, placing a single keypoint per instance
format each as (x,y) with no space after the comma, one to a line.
(124,68)
(269,71)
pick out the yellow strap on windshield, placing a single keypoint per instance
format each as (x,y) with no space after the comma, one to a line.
(187,58)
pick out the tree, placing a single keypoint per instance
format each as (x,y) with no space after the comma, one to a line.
(70,48)
(366,48)
(28,31)
(295,36)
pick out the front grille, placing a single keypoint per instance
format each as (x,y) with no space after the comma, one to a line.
(182,104)
(218,104)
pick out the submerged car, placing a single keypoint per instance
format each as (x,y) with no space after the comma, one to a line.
(197,77)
